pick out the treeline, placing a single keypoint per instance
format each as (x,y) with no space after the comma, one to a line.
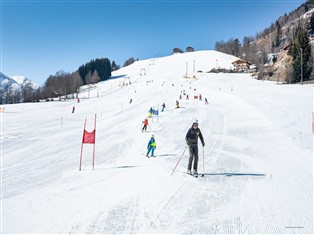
(95,71)
(63,84)
(26,93)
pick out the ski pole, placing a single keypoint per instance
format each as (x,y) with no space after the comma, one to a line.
(203,160)
(179,160)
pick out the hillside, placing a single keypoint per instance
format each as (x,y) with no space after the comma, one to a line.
(287,25)
(257,160)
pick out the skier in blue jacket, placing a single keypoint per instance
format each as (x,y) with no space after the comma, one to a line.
(151,146)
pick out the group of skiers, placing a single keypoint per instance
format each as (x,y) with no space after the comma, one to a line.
(194,133)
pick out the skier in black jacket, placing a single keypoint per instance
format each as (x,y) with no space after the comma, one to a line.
(191,140)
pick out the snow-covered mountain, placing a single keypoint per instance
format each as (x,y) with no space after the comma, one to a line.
(22,81)
(16,82)
(5,82)
(257,159)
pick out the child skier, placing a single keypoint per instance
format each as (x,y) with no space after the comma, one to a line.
(145,125)
(150,112)
(177,104)
(151,146)
(163,107)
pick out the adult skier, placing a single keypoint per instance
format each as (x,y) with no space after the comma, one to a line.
(145,122)
(151,146)
(191,139)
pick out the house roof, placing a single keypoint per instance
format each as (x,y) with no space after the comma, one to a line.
(240,61)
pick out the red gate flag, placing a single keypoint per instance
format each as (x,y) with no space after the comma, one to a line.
(89,137)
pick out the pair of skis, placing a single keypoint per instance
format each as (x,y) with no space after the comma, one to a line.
(150,156)
(194,175)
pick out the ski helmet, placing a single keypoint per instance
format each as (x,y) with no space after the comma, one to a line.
(195,122)
(152,136)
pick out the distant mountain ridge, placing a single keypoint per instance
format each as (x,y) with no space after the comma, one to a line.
(16,82)
(5,82)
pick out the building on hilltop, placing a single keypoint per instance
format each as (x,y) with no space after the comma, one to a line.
(189,49)
(176,50)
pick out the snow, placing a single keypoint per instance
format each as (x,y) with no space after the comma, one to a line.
(258,159)
(19,79)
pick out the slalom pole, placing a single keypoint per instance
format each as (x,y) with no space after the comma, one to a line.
(157,113)
(179,160)
(94,141)
(82,146)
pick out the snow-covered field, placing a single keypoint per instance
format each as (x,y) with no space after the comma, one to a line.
(258,158)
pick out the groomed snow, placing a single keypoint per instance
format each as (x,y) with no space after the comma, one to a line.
(258,159)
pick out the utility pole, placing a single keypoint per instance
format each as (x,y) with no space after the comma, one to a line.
(186,70)
(262,68)
(301,49)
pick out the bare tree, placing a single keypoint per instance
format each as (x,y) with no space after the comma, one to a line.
(95,77)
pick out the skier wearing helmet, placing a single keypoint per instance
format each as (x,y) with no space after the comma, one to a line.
(151,146)
(191,140)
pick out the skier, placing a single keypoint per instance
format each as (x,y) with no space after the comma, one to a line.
(177,104)
(151,146)
(187,97)
(150,112)
(206,102)
(73,109)
(200,96)
(191,140)
(163,107)
(145,125)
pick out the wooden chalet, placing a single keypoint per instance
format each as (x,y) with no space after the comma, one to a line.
(241,65)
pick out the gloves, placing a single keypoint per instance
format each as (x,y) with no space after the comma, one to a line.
(203,144)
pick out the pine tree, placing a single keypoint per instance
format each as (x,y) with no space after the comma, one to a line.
(114,66)
(300,46)
(311,24)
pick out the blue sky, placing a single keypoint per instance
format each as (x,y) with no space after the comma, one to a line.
(39,38)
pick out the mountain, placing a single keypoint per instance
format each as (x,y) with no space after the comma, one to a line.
(5,82)
(257,159)
(16,82)
(268,50)
(278,70)
(22,81)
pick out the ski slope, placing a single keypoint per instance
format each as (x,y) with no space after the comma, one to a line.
(257,159)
